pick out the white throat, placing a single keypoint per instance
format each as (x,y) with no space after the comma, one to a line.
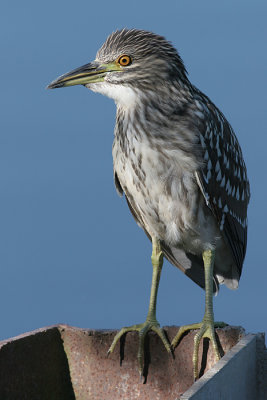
(124,96)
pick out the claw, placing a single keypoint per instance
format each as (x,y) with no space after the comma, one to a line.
(207,326)
(206,330)
(118,336)
(142,330)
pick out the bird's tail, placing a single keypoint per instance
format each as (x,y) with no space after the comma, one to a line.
(189,264)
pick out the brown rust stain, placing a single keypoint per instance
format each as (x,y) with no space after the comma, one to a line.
(98,377)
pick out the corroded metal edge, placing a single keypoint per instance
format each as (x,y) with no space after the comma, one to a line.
(90,374)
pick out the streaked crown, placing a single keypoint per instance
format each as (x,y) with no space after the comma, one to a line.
(151,56)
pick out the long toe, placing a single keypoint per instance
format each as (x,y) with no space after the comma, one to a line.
(182,330)
(122,332)
(142,330)
(206,330)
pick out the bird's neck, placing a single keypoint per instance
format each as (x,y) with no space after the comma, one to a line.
(156,119)
(151,108)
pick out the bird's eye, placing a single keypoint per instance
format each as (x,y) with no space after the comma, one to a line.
(124,60)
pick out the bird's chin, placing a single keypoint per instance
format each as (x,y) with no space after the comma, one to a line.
(123,95)
(95,87)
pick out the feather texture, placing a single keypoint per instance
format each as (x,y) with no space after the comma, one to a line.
(176,158)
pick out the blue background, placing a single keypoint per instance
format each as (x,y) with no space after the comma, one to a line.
(70,251)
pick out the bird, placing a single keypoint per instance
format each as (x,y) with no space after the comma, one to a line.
(178,162)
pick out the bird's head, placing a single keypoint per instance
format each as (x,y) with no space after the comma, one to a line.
(129,61)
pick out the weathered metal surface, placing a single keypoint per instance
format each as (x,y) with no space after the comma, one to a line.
(240,375)
(98,377)
(66,363)
(34,367)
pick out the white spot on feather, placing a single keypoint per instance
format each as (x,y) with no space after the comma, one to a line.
(219,176)
(233,192)
(242,222)
(222,222)
(203,144)
(218,147)
(209,165)
(199,114)
(228,187)
(206,155)
(211,143)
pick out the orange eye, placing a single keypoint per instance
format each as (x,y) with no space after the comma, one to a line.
(124,60)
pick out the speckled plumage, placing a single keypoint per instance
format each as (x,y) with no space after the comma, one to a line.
(176,158)
(179,164)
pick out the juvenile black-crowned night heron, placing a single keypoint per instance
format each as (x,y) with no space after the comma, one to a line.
(179,164)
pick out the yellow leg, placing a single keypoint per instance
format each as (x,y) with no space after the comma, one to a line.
(207,326)
(151,322)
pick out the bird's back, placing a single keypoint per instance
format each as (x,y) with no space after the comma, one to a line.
(223,179)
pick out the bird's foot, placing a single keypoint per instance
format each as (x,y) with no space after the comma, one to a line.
(206,330)
(142,329)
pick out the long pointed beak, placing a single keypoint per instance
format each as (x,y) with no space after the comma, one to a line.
(88,73)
